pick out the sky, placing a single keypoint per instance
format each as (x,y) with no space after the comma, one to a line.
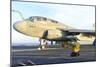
(81,17)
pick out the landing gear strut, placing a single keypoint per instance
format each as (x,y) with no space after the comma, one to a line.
(43,44)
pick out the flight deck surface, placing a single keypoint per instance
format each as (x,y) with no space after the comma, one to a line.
(53,55)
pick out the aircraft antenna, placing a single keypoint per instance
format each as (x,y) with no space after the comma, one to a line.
(21,15)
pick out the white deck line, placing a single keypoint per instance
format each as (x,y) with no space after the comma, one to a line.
(18,50)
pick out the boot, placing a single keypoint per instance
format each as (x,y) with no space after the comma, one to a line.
(75,54)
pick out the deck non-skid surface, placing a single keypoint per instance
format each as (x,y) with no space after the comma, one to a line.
(52,55)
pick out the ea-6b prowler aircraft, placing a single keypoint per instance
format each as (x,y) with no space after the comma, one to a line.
(52,30)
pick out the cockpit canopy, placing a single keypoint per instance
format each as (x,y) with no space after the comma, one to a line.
(39,18)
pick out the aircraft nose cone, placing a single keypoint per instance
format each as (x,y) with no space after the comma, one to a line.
(20,26)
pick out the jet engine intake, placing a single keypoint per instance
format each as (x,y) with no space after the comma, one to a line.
(53,34)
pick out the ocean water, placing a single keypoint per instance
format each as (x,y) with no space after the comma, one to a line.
(36,45)
(30,45)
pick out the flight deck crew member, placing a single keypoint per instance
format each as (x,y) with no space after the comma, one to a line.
(75,49)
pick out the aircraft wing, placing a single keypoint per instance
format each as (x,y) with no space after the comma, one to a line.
(82,34)
(81,31)
(78,31)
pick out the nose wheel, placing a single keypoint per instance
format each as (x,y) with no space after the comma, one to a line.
(43,44)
